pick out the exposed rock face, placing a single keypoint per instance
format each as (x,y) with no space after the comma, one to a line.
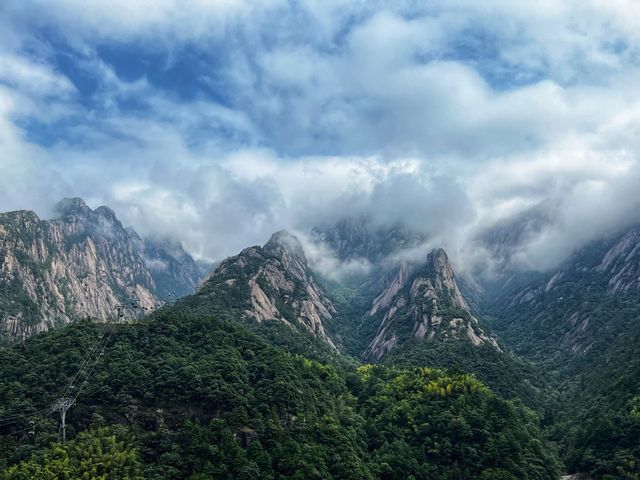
(423,303)
(392,289)
(621,263)
(81,263)
(272,282)
(593,277)
(175,273)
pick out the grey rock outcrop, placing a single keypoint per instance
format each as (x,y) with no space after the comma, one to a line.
(81,263)
(423,303)
(576,305)
(272,282)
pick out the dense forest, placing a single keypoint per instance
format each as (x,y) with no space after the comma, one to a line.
(199,397)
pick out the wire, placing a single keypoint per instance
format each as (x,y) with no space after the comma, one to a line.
(19,414)
(87,366)
(87,358)
(30,427)
(17,418)
(16,412)
(92,367)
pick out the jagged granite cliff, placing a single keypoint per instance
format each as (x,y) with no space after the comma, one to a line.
(423,303)
(81,263)
(591,297)
(272,282)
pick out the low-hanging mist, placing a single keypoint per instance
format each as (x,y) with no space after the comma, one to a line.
(451,119)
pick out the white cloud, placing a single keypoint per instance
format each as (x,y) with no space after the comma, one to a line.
(450,116)
(33,78)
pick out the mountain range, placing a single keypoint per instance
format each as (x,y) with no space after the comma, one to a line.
(559,348)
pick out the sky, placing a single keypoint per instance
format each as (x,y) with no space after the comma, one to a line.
(218,122)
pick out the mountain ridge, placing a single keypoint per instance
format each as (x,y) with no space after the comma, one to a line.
(272,282)
(81,262)
(416,316)
(423,301)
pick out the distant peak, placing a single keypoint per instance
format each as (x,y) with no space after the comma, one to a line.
(168,245)
(71,206)
(106,213)
(439,256)
(164,242)
(75,209)
(284,240)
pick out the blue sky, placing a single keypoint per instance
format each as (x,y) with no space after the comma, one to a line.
(220,121)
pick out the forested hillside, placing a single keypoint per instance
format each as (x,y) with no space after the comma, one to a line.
(580,324)
(201,397)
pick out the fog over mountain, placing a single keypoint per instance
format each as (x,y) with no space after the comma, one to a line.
(218,123)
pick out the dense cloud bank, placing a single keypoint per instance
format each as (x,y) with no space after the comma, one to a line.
(221,122)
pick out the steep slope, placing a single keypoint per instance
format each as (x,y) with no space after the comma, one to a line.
(423,303)
(591,298)
(599,424)
(267,283)
(272,290)
(582,322)
(504,239)
(205,398)
(496,259)
(202,395)
(174,272)
(81,263)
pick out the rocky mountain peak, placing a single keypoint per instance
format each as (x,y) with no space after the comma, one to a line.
(423,303)
(439,259)
(288,249)
(71,206)
(106,213)
(283,242)
(174,271)
(73,209)
(272,283)
(439,271)
(75,217)
(81,263)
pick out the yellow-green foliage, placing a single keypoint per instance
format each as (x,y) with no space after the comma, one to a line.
(427,423)
(93,455)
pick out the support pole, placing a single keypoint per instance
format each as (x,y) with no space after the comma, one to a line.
(62,406)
